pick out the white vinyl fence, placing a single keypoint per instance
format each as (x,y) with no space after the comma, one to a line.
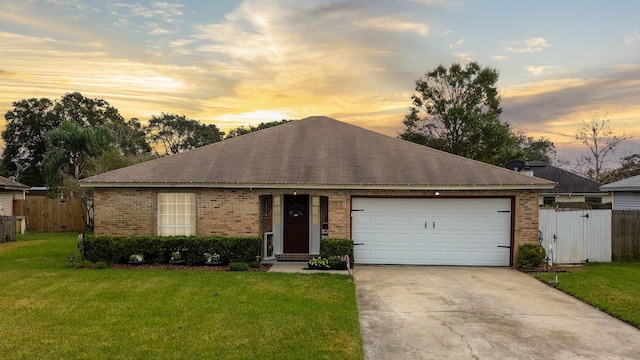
(576,235)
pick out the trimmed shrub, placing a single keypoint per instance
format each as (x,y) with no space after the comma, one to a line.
(158,249)
(238,266)
(337,247)
(530,256)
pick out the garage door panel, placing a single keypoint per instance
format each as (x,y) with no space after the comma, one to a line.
(381,220)
(381,239)
(433,231)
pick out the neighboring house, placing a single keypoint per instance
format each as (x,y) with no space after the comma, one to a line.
(9,191)
(626,193)
(571,187)
(401,203)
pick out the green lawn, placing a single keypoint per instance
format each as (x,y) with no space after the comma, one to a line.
(51,310)
(611,287)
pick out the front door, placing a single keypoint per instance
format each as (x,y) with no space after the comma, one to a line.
(296,224)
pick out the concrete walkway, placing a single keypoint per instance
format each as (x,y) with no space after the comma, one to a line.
(425,312)
(301,267)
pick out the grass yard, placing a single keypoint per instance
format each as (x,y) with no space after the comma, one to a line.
(611,287)
(53,311)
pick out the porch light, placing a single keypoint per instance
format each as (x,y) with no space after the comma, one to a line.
(437,193)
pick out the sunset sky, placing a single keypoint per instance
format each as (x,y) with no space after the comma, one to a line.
(235,63)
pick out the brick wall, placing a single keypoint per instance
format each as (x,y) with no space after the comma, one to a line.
(125,211)
(232,212)
(227,212)
(131,212)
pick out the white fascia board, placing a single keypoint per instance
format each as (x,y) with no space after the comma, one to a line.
(440,187)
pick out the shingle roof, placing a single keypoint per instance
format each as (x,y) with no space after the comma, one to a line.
(567,182)
(317,152)
(628,184)
(9,184)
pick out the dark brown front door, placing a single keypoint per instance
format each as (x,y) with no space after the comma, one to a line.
(296,224)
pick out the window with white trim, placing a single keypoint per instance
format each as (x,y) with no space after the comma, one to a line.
(176,214)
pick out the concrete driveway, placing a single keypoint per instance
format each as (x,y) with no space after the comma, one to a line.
(426,312)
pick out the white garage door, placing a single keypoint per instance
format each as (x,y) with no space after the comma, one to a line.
(432,231)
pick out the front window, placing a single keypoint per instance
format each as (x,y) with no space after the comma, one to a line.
(176,214)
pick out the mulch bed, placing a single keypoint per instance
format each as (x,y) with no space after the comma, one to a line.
(263,267)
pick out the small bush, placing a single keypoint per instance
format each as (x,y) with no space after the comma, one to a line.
(530,256)
(319,263)
(238,266)
(255,264)
(337,247)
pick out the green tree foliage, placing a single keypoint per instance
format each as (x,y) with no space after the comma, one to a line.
(244,130)
(528,149)
(173,133)
(601,142)
(457,110)
(27,123)
(112,160)
(29,120)
(129,136)
(629,166)
(85,111)
(69,146)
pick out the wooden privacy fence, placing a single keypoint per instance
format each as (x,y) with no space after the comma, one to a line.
(51,215)
(625,245)
(576,235)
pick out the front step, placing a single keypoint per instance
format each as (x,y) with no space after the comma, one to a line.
(294,257)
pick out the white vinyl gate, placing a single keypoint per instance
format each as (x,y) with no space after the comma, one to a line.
(576,235)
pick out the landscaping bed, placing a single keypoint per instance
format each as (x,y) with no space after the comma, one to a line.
(263,267)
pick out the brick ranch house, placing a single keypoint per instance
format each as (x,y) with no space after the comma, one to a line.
(293,184)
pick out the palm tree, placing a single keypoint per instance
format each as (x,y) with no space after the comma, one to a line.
(69,146)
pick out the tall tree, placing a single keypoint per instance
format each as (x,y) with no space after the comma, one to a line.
(263,125)
(173,133)
(601,142)
(87,112)
(29,120)
(69,146)
(129,136)
(629,166)
(457,110)
(24,137)
(529,149)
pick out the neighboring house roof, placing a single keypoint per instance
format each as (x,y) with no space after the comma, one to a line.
(568,182)
(8,184)
(628,184)
(317,152)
